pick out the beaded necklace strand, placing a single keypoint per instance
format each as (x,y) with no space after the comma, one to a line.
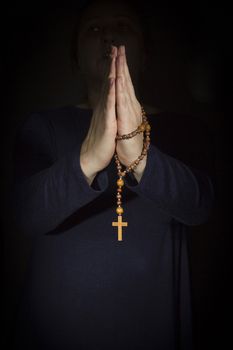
(145,128)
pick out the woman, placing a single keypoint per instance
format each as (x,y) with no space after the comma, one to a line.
(87,289)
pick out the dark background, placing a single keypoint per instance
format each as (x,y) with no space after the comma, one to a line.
(189,72)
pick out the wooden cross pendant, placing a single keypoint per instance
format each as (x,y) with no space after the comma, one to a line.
(119,224)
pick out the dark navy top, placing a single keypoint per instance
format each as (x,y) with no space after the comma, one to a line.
(84,289)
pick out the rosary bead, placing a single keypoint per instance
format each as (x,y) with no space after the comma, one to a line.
(119,210)
(120,182)
(148,127)
(119,190)
(141,127)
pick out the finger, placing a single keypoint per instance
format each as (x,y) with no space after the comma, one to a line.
(130,88)
(113,51)
(121,93)
(122,72)
(109,78)
(121,97)
(112,71)
(111,98)
(128,80)
(119,65)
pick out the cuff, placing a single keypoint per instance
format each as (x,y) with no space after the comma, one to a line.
(131,181)
(100,182)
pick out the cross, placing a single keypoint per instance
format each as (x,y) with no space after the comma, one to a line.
(119,224)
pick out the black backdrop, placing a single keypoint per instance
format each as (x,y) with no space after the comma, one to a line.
(191,66)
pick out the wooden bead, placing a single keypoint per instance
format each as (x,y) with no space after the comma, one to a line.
(141,127)
(119,210)
(148,127)
(120,182)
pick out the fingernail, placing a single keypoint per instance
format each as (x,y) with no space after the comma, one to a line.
(111,81)
(114,51)
(122,49)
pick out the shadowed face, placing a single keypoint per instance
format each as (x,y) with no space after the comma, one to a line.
(103,24)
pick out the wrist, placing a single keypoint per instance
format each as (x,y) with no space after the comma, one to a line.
(129,151)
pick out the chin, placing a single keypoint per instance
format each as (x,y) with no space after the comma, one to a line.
(100,70)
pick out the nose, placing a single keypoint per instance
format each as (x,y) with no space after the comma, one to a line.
(109,35)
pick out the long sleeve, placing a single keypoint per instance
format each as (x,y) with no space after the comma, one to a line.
(185,193)
(48,190)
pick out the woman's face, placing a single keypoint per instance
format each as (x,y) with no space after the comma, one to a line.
(107,23)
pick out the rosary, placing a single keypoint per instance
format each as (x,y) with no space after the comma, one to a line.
(145,128)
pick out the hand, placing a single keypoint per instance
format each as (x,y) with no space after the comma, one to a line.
(128,113)
(99,145)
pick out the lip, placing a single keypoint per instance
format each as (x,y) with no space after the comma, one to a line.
(107,54)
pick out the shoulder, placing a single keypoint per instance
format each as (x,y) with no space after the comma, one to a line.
(49,115)
(183,136)
(45,121)
(40,124)
(181,123)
